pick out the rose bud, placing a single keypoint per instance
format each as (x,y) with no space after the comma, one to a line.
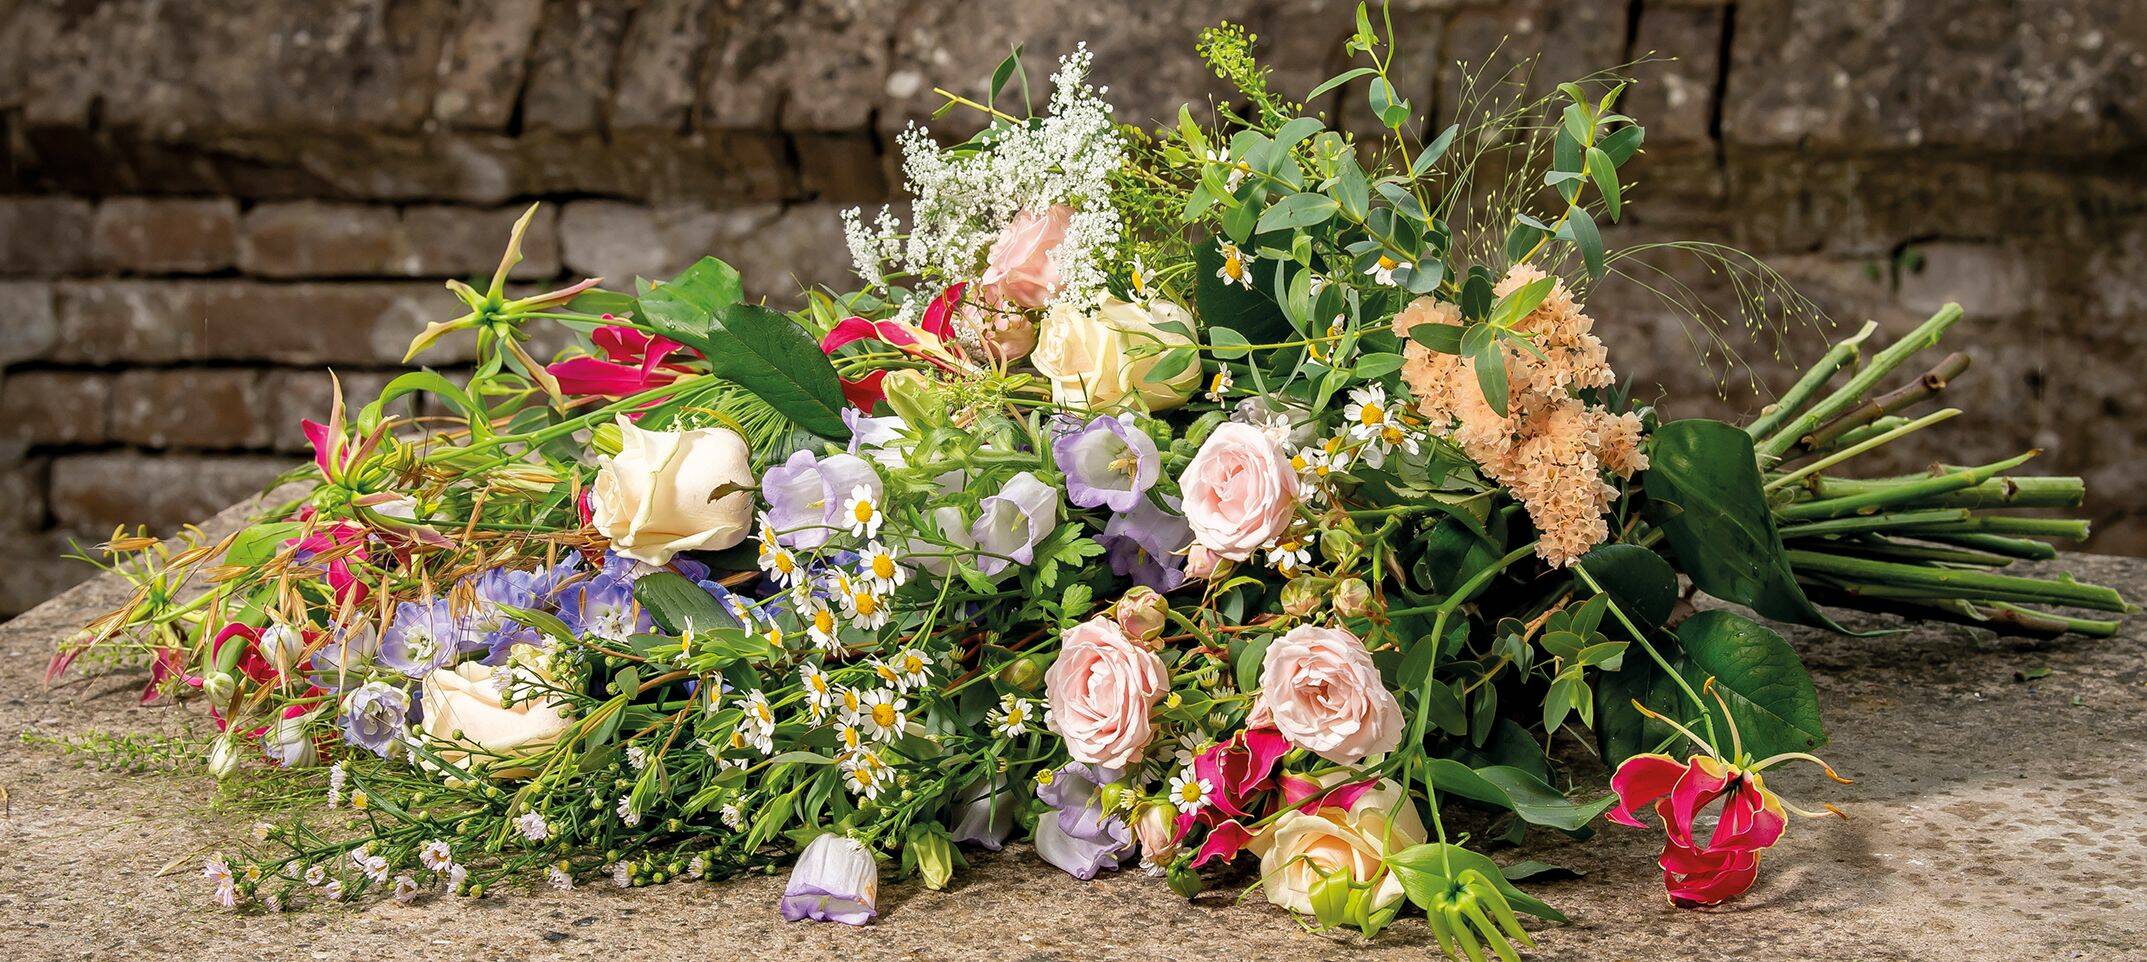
(1141,613)
(1352,598)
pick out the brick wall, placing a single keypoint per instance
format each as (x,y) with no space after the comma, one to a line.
(205,205)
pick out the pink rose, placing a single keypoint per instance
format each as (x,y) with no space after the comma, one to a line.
(1020,271)
(1100,690)
(1319,688)
(1240,491)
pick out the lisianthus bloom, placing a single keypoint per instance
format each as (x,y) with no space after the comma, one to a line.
(932,340)
(672,491)
(634,361)
(835,880)
(1302,848)
(1749,818)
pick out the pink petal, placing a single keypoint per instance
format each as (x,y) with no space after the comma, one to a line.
(1640,780)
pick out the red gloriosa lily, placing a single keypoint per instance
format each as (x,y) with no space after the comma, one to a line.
(932,340)
(634,361)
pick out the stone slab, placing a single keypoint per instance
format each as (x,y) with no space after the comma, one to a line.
(1991,819)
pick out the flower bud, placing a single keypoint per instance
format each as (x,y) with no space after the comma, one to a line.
(1202,563)
(1183,880)
(219,687)
(1021,674)
(1331,898)
(1352,598)
(1303,595)
(1157,828)
(223,759)
(1201,427)
(1141,613)
(1339,545)
(605,440)
(909,393)
(932,854)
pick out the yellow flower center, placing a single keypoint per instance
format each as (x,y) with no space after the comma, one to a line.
(1371,414)
(1234,264)
(863,511)
(883,566)
(883,715)
(1387,263)
(867,603)
(1189,793)
(824,620)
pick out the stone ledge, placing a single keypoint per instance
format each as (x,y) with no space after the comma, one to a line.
(1990,819)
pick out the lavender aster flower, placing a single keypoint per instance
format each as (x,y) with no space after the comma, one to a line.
(424,637)
(1079,837)
(805,494)
(986,815)
(835,880)
(1011,523)
(1108,462)
(1146,543)
(373,715)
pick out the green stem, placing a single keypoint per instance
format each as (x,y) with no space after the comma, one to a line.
(1707,716)
(1862,446)
(1951,582)
(1875,522)
(1925,335)
(1995,544)
(2001,492)
(1813,381)
(1905,493)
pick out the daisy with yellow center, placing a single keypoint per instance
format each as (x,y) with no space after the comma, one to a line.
(1234,269)
(884,714)
(1382,270)
(861,514)
(851,702)
(1189,792)
(1367,411)
(849,736)
(819,691)
(865,606)
(821,624)
(1291,554)
(914,667)
(1011,719)
(865,774)
(1219,387)
(880,565)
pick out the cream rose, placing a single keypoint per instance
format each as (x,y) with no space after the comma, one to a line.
(1239,491)
(1019,270)
(1302,847)
(465,713)
(658,496)
(1085,352)
(1100,691)
(1319,688)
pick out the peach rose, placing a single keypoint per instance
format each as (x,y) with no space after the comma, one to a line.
(1019,270)
(466,713)
(1303,847)
(1318,687)
(1240,491)
(1100,691)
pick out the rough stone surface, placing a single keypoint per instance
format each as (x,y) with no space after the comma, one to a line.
(1991,818)
(258,189)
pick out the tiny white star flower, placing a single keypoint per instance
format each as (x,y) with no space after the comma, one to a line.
(405,889)
(732,817)
(861,513)
(625,808)
(316,874)
(560,878)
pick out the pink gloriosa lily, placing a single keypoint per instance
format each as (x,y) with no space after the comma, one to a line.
(932,341)
(634,361)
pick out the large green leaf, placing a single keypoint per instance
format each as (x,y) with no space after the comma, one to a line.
(756,348)
(678,604)
(1643,585)
(1507,787)
(1223,304)
(1706,481)
(1621,731)
(1759,676)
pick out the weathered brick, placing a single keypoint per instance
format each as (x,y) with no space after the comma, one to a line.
(775,248)
(94,492)
(140,235)
(315,239)
(304,324)
(577,46)
(55,407)
(26,316)
(44,235)
(1988,279)
(22,488)
(484,64)
(288,397)
(1675,97)
(213,408)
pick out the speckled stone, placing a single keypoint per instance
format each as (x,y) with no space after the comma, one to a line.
(1991,818)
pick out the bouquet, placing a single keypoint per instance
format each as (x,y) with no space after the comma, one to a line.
(1247,500)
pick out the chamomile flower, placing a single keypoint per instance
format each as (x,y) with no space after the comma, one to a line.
(1237,168)
(405,889)
(885,713)
(1291,553)
(333,890)
(861,513)
(457,878)
(1367,412)
(560,878)
(626,812)
(1189,792)
(881,566)
(774,634)
(1339,454)
(1138,275)
(1382,270)
(866,774)
(905,670)
(374,867)
(316,874)
(622,874)
(1234,269)
(1191,743)
(435,855)
(820,623)
(336,776)
(1219,386)
(533,826)
(849,736)
(850,703)
(1011,719)
(779,562)
(819,691)
(865,606)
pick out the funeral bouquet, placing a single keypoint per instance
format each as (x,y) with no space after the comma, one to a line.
(1249,500)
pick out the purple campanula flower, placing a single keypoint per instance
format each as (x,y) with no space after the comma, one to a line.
(348,651)
(423,637)
(1011,523)
(1108,462)
(835,880)
(1078,836)
(805,494)
(875,438)
(373,715)
(1147,544)
(603,606)
(986,814)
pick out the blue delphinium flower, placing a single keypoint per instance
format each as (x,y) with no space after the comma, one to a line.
(373,716)
(603,606)
(425,636)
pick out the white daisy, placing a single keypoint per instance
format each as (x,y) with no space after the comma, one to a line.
(850,704)
(1291,553)
(1219,386)
(1234,269)
(779,562)
(861,513)
(819,691)
(1367,411)
(435,855)
(865,606)
(625,808)
(1011,719)
(884,715)
(865,774)
(333,891)
(849,736)
(880,565)
(821,624)
(533,826)
(316,874)
(560,878)
(1382,271)
(1238,168)
(1189,792)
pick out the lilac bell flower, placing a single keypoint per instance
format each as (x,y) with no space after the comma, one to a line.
(835,880)
(807,493)
(1078,836)
(875,438)
(1108,462)
(1147,544)
(1011,523)
(424,637)
(373,715)
(495,591)
(986,815)
(350,650)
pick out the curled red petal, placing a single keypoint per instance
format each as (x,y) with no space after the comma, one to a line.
(583,376)
(1223,841)
(1752,819)
(866,392)
(1694,877)
(317,436)
(939,315)
(1704,781)
(850,330)
(1640,780)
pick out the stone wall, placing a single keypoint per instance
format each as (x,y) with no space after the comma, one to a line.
(204,204)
